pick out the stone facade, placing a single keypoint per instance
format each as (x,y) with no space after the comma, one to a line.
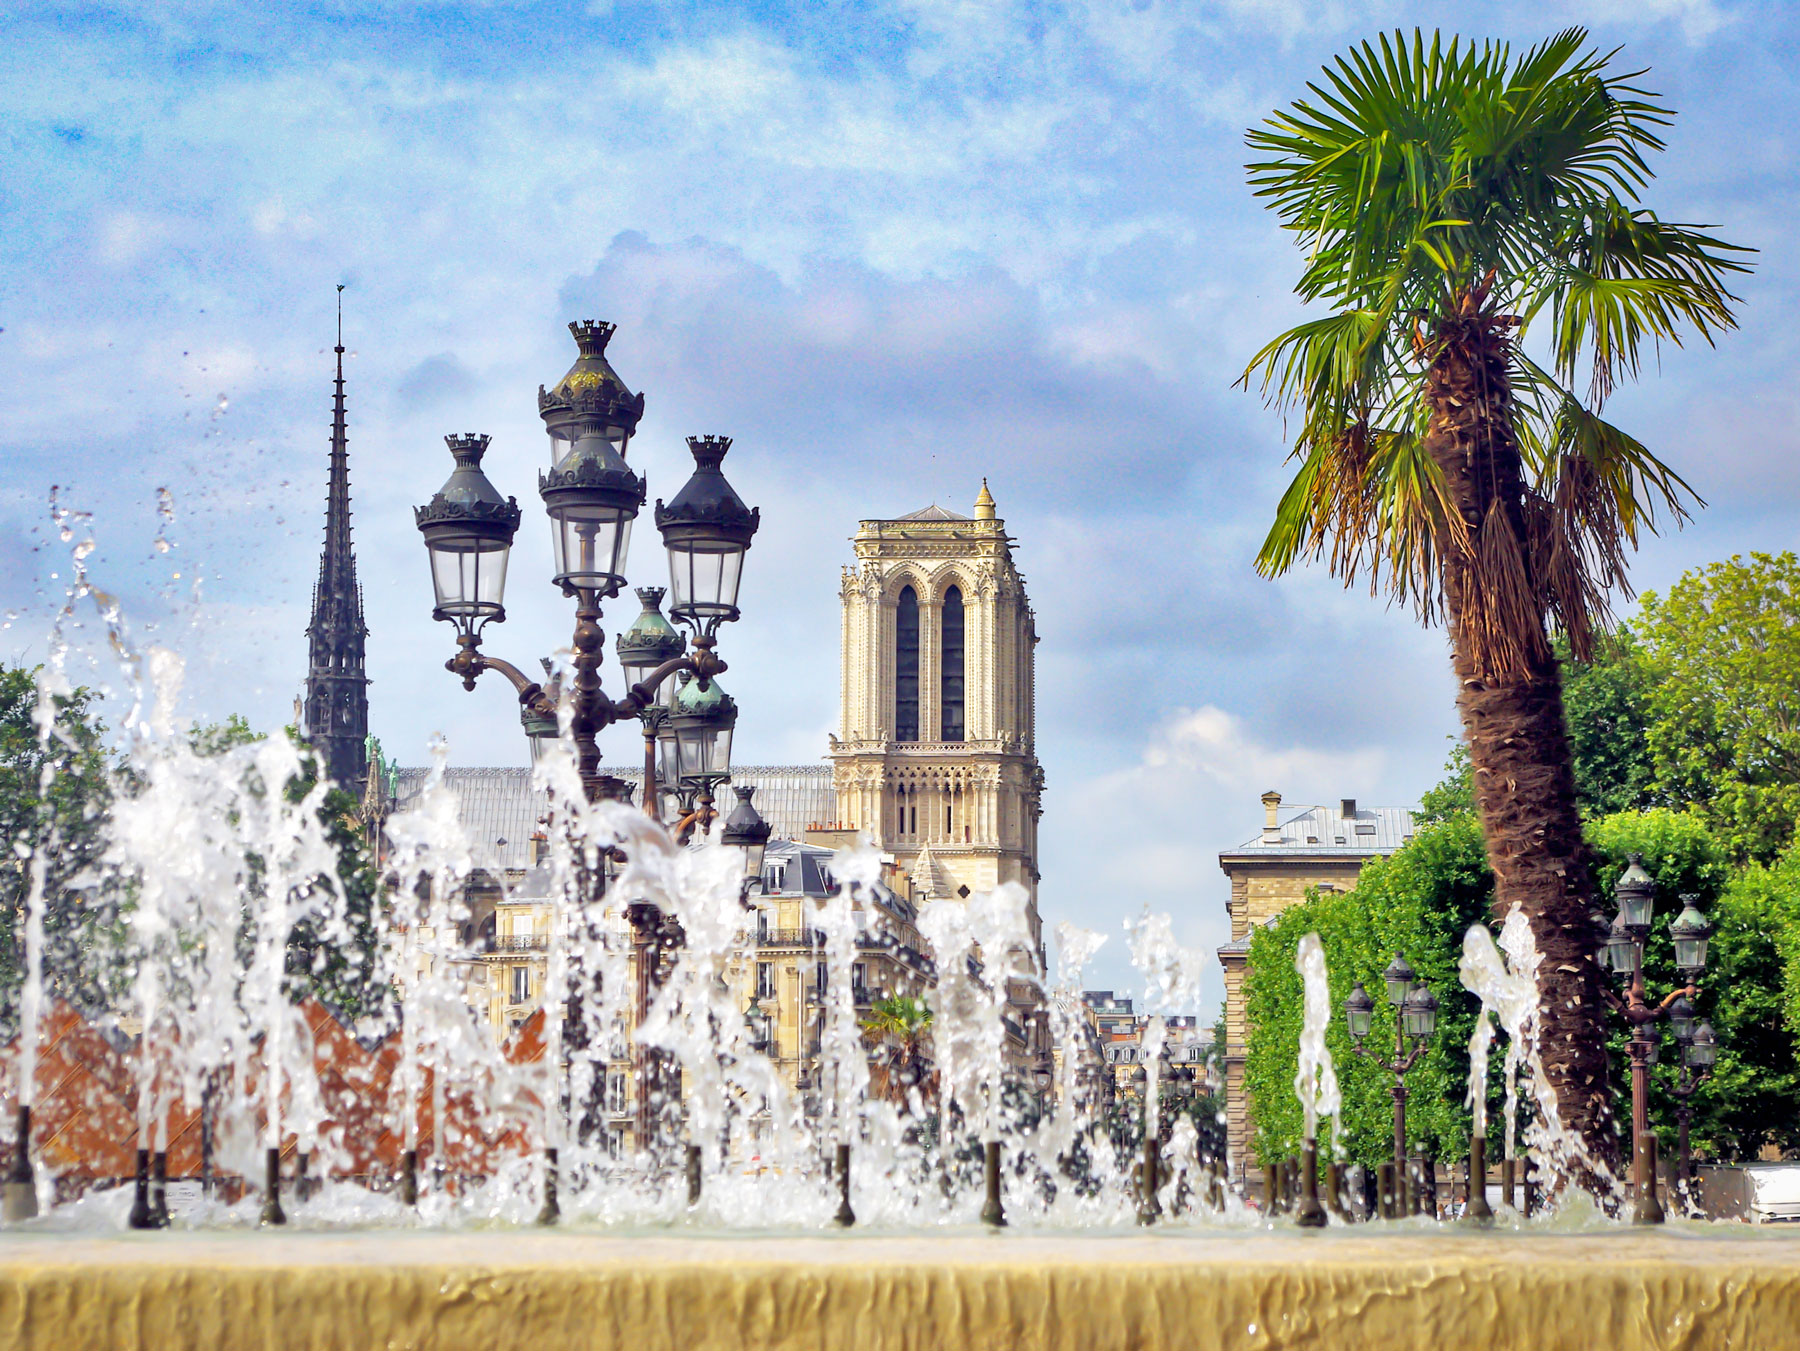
(956,771)
(1299,849)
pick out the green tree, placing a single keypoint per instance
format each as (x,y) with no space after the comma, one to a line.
(1724,648)
(1607,701)
(344,969)
(56,785)
(1419,902)
(1449,200)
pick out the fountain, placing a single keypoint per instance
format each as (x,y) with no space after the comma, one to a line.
(415,1168)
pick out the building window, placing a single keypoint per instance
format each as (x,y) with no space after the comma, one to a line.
(521,990)
(819,978)
(765,980)
(950,679)
(906,666)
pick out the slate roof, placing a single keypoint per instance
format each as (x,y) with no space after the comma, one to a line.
(932,513)
(1325,830)
(499,809)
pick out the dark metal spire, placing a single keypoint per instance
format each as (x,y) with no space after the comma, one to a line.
(337,690)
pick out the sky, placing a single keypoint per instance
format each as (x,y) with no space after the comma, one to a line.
(890,248)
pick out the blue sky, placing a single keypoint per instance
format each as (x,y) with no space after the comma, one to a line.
(890,248)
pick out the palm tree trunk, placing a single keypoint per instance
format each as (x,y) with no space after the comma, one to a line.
(1510,700)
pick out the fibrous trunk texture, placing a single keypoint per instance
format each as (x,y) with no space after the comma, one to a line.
(1510,700)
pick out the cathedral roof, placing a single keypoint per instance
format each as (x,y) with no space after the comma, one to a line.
(932,513)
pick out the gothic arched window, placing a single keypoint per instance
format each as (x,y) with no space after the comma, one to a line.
(950,679)
(906,666)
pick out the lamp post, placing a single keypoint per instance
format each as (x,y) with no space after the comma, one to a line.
(1623,954)
(592,497)
(1699,1052)
(1415,1021)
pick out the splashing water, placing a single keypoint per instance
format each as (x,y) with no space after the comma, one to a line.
(1315,1078)
(1507,987)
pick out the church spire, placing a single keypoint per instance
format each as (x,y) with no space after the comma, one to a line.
(337,691)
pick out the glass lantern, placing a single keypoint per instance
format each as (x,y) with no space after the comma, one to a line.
(1621,953)
(1635,892)
(1690,931)
(701,722)
(1704,1053)
(707,530)
(745,829)
(1420,1013)
(648,643)
(1400,978)
(1359,1012)
(1682,1020)
(468,530)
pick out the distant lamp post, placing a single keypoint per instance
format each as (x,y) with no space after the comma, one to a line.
(1699,1052)
(1623,954)
(1415,1022)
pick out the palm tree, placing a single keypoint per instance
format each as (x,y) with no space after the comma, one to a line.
(899,1027)
(1448,200)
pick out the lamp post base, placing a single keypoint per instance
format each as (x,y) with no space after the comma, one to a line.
(1649,1208)
(271,1206)
(1310,1215)
(19,1201)
(845,1216)
(550,1212)
(1478,1211)
(992,1213)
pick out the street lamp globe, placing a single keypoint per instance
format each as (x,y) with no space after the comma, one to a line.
(1690,931)
(701,721)
(1682,1020)
(1420,1013)
(1704,1053)
(648,643)
(1359,1012)
(1620,954)
(706,529)
(590,493)
(1400,978)
(745,829)
(1635,892)
(468,529)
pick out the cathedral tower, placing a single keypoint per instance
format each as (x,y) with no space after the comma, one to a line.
(336,715)
(935,755)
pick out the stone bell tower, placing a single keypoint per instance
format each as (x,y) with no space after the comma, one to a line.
(935,750)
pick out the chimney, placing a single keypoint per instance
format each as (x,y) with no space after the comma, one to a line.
(1347,807)
(1271,802)
(535,848)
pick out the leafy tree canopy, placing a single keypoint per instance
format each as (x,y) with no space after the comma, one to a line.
(1723,654)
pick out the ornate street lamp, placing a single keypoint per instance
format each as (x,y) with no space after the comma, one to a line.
(1415,1021)
(1699,1052)
(1623,954)
(592,497)
(745,830)
(645,648)
(1690,931)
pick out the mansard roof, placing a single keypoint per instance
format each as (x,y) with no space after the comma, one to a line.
(1325,831)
